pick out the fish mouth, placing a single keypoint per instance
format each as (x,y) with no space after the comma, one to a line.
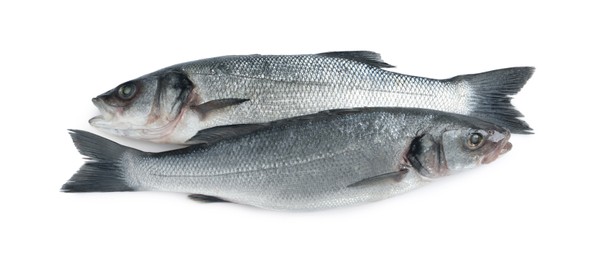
(109,121)
(106,114)
(503,147)
(506,148)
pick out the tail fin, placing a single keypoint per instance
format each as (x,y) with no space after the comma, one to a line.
(103,172)
(492,96)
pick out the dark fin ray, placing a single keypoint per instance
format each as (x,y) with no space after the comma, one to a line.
(209,106)
(491,99)
(386,177)
(367,57)
(217,133)
(103,172)
(206,198)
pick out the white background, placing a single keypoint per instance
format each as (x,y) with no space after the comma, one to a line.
(535,202)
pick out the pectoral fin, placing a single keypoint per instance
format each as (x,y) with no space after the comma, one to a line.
(205,108)
(386,177)
(206,198)
(211,135)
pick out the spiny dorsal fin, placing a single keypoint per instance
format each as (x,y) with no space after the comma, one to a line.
(367,57)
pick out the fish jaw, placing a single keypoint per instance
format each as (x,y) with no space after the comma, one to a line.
(119,128)
(111,121)
(118,120)
(108,121)
(503,147)
(108,125)
(176,131)
(107,112)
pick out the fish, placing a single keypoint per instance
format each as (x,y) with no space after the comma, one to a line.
(325,160)
(172,104)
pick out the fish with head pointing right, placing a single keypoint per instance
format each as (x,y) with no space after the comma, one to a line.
(329,159)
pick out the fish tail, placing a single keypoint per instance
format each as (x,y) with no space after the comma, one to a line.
(491,99)
(104,171)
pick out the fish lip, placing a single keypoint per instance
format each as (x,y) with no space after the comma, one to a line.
(502,148)
(96,120)
(100,104)
(100,122)
(506,148)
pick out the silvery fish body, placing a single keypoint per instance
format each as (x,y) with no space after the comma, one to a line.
(329,159)
(171,105)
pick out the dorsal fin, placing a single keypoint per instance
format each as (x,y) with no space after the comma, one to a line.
(367,57)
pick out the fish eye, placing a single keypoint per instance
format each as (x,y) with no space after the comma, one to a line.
(126,91)
(475,140)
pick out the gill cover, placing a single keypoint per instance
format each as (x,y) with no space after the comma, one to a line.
(174,90)
(425,155)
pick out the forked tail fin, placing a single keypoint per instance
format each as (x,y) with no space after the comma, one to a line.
(104,170)
(491,99)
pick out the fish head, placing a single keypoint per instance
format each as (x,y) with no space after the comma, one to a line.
(146,108)
(454,150)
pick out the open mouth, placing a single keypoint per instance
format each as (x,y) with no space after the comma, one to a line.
(106,117)
(495,154)
(508,146)
(502,148)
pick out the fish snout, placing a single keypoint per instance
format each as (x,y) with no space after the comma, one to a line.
(99,102)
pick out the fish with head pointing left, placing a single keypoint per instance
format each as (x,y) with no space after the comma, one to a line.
(173,104)
(324,160)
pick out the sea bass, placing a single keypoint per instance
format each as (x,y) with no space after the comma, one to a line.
(171,105)
(329,159)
